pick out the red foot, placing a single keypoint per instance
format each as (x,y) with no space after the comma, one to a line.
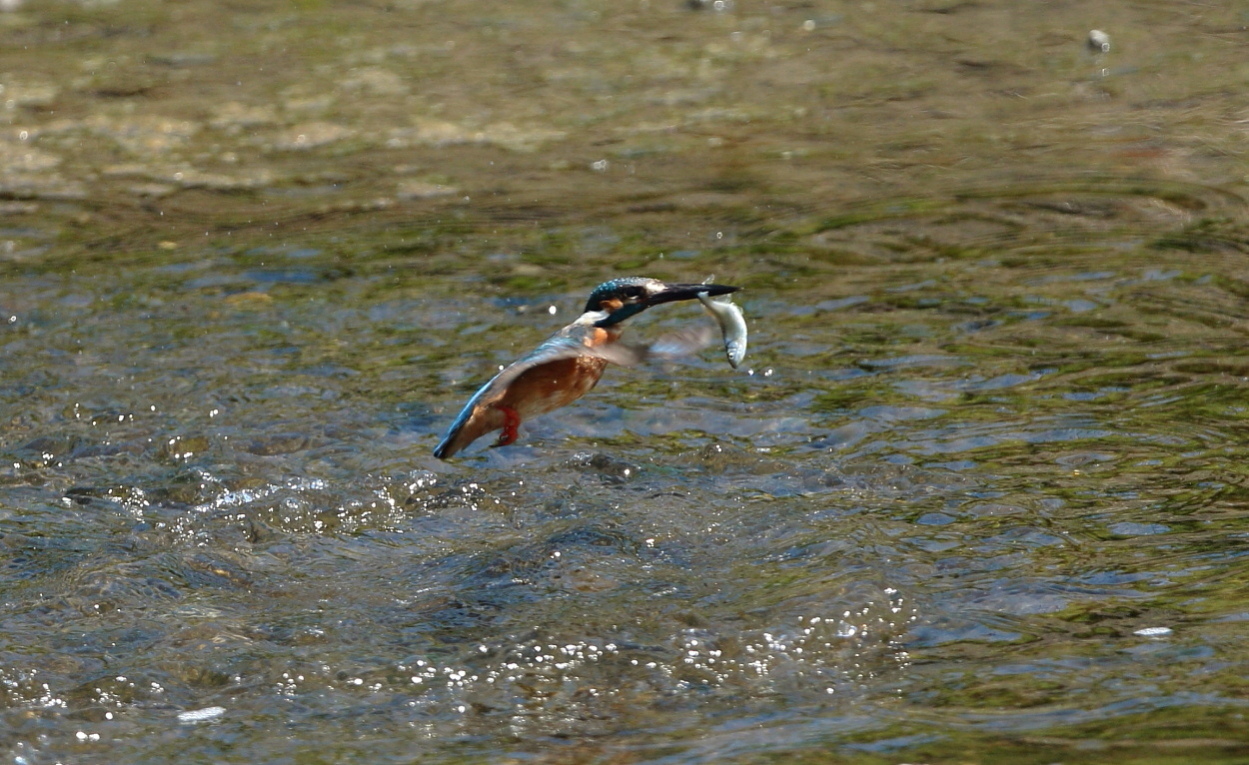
(511,421)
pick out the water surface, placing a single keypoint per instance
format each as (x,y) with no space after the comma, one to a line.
(976,494)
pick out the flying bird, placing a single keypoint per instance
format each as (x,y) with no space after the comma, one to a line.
(569,363)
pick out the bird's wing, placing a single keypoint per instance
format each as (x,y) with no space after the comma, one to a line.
(477,417)
(563,346)
(553,348)
(683,342)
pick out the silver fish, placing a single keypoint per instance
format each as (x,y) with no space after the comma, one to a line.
(732,326)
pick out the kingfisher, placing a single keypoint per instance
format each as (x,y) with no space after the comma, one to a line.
(569,363)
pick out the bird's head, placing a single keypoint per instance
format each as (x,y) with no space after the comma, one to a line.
(623,298)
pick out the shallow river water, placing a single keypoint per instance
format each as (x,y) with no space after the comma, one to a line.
(977,494)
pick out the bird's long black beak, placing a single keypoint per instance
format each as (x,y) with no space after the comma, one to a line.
(672,292)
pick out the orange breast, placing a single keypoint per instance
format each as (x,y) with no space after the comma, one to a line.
(552,385)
